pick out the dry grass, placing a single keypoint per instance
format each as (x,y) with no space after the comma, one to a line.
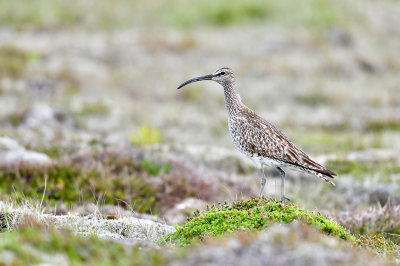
(383,221)
(24,212)
(146,183)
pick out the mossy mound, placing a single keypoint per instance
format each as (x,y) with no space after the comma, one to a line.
(249,215)
(258,213)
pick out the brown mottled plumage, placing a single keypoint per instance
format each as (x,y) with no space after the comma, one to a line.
(259,140)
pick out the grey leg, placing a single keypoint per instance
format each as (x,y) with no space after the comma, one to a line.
(282,173)
(263,181)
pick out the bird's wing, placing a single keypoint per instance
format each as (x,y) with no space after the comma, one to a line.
(267,140)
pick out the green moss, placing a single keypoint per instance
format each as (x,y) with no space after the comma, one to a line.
(71,90)
(221,14)
(377,243)
(34,57)
(146,135)
(72,84)
(249,215)
(52,150)
(310,13)
(152,168)
(12,62)
(380,126)
(315,98)
(191,95)
(16,118)
(95,108)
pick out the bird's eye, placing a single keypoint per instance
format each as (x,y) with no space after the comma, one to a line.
(222,73)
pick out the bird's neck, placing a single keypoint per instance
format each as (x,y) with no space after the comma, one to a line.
(233,101)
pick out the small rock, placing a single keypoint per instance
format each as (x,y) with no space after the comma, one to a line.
(40,87)
(339,37)
(114,210)
(368,66)
(11,153)
(382,194)
(87,209)
(58,210)
(7,257)
(146,216)
(8,144)
(184,209)
(41,114)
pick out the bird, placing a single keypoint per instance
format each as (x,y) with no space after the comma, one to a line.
(259,140)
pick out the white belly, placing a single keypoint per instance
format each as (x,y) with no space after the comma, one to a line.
(260,162)
(265,161)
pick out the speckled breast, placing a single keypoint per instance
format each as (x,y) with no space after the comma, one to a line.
(237,139)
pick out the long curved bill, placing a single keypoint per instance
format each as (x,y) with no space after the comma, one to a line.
(206,77)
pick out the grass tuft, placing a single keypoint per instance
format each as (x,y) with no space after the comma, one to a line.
(95,108)
(384,221)
(146,183)
(12,61)
(145,136)
(381,126)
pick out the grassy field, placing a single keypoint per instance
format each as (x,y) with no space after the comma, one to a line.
(92,85)
(111,15)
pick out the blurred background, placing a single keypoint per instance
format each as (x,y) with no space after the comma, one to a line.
(89,110)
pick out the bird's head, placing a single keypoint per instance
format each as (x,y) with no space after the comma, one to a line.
(223,76)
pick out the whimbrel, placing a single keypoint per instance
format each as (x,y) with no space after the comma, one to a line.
(259,140)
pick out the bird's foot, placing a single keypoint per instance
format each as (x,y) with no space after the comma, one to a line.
(283,198)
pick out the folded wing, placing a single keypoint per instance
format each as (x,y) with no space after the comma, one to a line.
(267,140)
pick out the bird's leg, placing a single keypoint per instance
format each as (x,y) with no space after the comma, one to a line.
(263,181)
(282,173)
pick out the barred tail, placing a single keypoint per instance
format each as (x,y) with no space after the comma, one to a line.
(322,176)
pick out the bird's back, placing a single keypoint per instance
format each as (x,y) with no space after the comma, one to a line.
(256,137)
